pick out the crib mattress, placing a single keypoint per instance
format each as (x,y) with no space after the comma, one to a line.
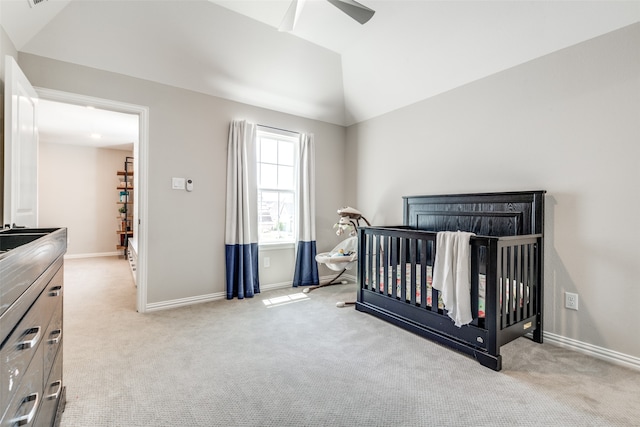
(387,286)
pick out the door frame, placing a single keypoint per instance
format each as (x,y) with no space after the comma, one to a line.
(141,168)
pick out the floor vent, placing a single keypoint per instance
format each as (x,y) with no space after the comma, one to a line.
(34,3)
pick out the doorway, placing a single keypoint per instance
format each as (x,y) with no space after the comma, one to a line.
(140,162)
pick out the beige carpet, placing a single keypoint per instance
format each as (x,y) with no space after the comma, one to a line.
(285,358)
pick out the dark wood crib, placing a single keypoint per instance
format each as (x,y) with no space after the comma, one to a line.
(395,268)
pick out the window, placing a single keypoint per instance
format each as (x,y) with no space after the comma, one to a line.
(276,186)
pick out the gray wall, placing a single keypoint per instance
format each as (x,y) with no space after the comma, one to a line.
(77,190)
(188,138)
(568,123)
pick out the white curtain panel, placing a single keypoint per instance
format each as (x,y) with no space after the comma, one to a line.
(306,271)
(241,233)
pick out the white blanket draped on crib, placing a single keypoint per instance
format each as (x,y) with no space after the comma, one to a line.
(452,274)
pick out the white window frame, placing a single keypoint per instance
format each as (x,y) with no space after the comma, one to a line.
(294,138)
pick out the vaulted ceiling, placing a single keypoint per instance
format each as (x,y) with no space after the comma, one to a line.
(329,68)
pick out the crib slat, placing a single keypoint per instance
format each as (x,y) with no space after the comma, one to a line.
(381,263)
(411,273)
(388,263)
(394,267)
(369,283)
(368,260)
(375,259)
(535,280)
(525,280)
(412,277)
(510,280)
(474,283)
(434,292)
(402,268)
(503,288)
(518,283)
(483,269)
(531,296)
(423,273)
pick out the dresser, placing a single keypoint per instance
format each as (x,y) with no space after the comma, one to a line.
(132,254)
(31,326)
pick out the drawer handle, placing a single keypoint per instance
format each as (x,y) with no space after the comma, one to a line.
(55,395)
(55,291)
(33,341)
(56,340)
(27,418)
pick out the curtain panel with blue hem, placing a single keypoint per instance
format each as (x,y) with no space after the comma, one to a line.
(306,272)
(241,222)
(242,270)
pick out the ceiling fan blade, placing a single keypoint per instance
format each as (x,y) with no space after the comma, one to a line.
(291,17)
(357,11)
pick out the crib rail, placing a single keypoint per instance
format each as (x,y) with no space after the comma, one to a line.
(397,263)
(519,284)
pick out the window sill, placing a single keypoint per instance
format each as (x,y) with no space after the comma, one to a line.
(276,246)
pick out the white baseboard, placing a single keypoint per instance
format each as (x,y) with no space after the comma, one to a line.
(94,255)
(593,350)
(165,305)
(272,286)
(283,285)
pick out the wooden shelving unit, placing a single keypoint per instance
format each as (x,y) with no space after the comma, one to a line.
(124,230)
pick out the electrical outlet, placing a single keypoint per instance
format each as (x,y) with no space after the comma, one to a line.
(267,262)
(571,300)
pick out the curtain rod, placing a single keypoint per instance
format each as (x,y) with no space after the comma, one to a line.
(281,130)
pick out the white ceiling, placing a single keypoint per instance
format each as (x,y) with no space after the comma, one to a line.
(61,123)
(329,68)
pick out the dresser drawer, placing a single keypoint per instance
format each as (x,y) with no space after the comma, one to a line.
(53,276)
(24,265)
(53,338)
(23,343)
(52,394)
(23,406)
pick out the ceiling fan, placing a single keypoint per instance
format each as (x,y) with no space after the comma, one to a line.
(355,10)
